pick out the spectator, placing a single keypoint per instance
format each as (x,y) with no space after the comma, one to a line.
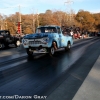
(71,33)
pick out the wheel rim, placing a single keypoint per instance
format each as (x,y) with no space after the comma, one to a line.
(52,50)
(69,46)
(29,52)
(1,46)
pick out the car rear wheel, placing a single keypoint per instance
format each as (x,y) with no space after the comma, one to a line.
(68,47)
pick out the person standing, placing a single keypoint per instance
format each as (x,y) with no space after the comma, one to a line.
(71,33)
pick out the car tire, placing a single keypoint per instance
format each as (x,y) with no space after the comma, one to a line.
(1,45)
(6,45)
(30,53)
(67,48)
(51,51)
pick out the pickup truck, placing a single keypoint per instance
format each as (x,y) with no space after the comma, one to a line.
(47,39)
(6,38)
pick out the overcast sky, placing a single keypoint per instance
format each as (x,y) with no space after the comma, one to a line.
(8,7)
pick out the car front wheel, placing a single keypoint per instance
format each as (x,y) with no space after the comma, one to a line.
(29,52)
(1,45)
(51,51)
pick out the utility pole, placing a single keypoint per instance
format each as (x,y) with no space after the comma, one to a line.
(37,19)
(0,22)
(19,28)
(19,22)
(33,27)
(3,22)
(6,27)
(34,18)
(69,18)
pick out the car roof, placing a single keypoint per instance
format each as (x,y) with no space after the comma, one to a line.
(49,26)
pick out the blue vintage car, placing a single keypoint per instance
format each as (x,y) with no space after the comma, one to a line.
(47,39)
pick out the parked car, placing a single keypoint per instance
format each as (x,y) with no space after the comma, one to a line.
(6,38)
(47,39)
(98,34)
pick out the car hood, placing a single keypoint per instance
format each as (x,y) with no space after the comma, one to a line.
(38,35)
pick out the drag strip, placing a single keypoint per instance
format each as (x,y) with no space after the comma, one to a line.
(42,75)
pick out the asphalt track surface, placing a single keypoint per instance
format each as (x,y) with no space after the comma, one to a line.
(42,74)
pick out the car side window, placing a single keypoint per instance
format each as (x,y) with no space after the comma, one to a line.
(7,33)
(2,33)
(38,31)
(58,29)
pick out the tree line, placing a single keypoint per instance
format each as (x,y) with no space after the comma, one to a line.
(29,22)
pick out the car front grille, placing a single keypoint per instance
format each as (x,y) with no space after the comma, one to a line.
(35,42)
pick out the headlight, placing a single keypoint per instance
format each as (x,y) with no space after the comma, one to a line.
(46,39)
(24,41)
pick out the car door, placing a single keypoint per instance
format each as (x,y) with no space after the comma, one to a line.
(62,38)
(59,35)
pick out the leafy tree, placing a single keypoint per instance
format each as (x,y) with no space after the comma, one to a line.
(97,21)
(30,22)
(85,19)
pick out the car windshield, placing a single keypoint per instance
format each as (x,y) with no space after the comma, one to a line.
(46,30)
(4,32)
